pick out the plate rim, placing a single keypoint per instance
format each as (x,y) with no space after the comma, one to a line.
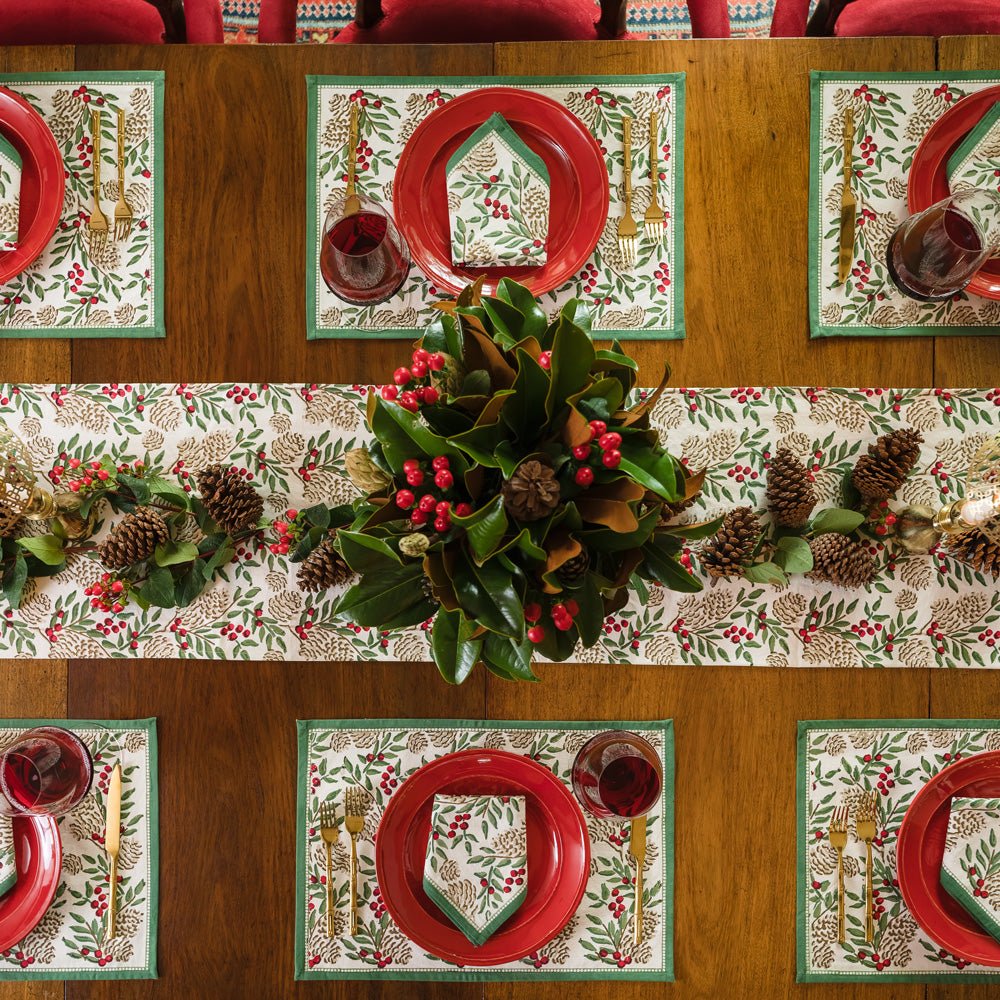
(46,830)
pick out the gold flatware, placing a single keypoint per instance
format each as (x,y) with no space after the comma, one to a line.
(352,203)
(98,222)
(865,829)
(848,203)
(123,211)
(354,821)
(838,841)
(331,834)
(637,848)
(112,842)
(652,222)
(627,229)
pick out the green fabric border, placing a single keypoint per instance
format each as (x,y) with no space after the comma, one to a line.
(817,329)
(667,819)
(805,727)
(498,125)
(158,330)
(972,140)
(677,80)
(455,915)
(960,893)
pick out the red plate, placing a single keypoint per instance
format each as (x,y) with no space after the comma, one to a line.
(43,183)
(578,186)
(920,851)
(558,855)
(928,181)
(38,854)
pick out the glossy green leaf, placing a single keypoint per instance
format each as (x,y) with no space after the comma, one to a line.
(793,554)
(454,652)
(484,528)
(766,572)
(171,553)
(533,319)
(509,659)
(366,553)
(838,520)
(138,487)
(14,578)
(524,411)
(488,596)
(572,357)
(47,549)
(158,589)
(655,471)
(382,597)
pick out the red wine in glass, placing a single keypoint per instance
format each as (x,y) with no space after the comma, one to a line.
(46,771)
(617,774)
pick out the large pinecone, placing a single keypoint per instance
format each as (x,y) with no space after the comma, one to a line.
(573,570)
(839,560)
(791,493)
(323,568)
(232,501)
(133,539)
(977,549)
(729,551)
(532,492)
(882,471)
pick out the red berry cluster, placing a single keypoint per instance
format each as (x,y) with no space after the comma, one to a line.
(944,91)
(981,891)
(359,96)
(868,150)
(500,208)
(16,391)
(607,444)
(429,505)
(412,386)
(186,395)
(993,395)
(459,822)
(538,960)
(933,630)
(805,633)
(287,532)
(26,960)
(177,629)
(595,95)
(617,903)
(882,519)
(862,271)
(880,963)
(662,276)
(989,637)
(863,91)
(434,97)
(376,905)
(108,593)
(562,616)
(516,877)
(867,215)
(86,477)
(75,275)
(380,958)
(241,393)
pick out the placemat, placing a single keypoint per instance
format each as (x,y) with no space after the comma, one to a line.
(69,292)
(892,113)
(69,942)
(643,303)
(378,755)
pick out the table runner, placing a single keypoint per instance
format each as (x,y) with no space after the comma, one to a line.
(69,942)
(893,112)
(68,292)
(837,760)
(379,754)
(645,302)
(923,611)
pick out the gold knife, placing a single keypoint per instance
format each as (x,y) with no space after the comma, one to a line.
(637,848)
(352,203)
(112,842)
(848,203)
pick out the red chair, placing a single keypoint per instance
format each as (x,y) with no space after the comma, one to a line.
(430,21)
(107,22)
(854,18)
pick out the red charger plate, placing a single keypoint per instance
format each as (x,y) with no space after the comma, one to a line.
(928,181)
(578,186)
(38,854)
(921,848)
(558,854)
(43,183)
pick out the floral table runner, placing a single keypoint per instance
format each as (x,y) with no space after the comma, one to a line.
(645,302)
(892,113)
(118,291)
(379,755)
(924,610)
(837,762)
(69,941)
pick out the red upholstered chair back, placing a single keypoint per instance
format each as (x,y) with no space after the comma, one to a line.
(854,18)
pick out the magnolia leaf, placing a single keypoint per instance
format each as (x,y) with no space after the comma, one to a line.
(454,650)
(366,553)
(508,659)
(656,471)
(484,528)
(614,514)
(572,358)
(533,319)
(838,520)
(441,586)
(524,412)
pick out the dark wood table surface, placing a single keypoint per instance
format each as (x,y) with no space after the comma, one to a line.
(235,173)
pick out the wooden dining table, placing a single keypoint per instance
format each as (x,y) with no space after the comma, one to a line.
(235,174)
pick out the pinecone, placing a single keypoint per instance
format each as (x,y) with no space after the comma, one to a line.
(729,551)
(573,570)
(323,568)
(839,560)
(532,492)
(977,549)
(232,502)
(364,473)
(791,493)
(882,471)
(133,539)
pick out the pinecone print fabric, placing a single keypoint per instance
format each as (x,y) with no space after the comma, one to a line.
(970,870)
(8,871)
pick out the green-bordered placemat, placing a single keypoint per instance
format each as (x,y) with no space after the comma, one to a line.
(837,761)
(118,292)
(378,755)
(68,942)
(892,113)
(644,302)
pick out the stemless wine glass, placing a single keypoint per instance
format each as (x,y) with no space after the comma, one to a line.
(934,254)
(363,257)
(617,774)
(46,771)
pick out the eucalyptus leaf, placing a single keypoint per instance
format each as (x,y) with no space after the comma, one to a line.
(793,554)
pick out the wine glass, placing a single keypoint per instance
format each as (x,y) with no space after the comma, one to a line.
(363,257)
(934,254)
(46,771)
(617,774)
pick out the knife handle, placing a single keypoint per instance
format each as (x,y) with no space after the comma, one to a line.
(638,902)
(354,885)
(112,924)
(330,921)
(848,144)
(352,148)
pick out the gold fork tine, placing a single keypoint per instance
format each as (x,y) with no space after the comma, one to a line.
(652,222)
(123,211)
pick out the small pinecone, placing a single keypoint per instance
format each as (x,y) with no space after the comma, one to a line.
(573,570)
(882,471)
(133,539)
(730,550)
(839,560)
(323,568)
(978,550)
(232,502)
(791,493)
(532,492)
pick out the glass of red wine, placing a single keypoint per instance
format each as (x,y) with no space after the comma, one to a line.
(363,257)
(46,771)
(937,252)
(617,774)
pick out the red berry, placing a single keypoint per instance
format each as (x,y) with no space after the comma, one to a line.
(442,524)
(609,441)
(440,462)
(584,476)
(436,362)
(444,480)
(404,499)
(536,634)
(428,502)
(463,509)
(418,369)
(532,612)
(401,376)
(597,428)
(419,516)
(612,459)
(431,395)
(443,509)
(545,360)
(389,392)
(581,452)
(572,607)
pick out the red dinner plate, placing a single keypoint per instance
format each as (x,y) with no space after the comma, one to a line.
(42,182)
(578,186)
(921,848)
(558,854)
(928,181)
(38,853)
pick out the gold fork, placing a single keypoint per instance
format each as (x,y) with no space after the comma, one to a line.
(865,828)
(331,834)
(627,229)
(98,223)
(652,222)
(123,211)
(838,841)
(354,821)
